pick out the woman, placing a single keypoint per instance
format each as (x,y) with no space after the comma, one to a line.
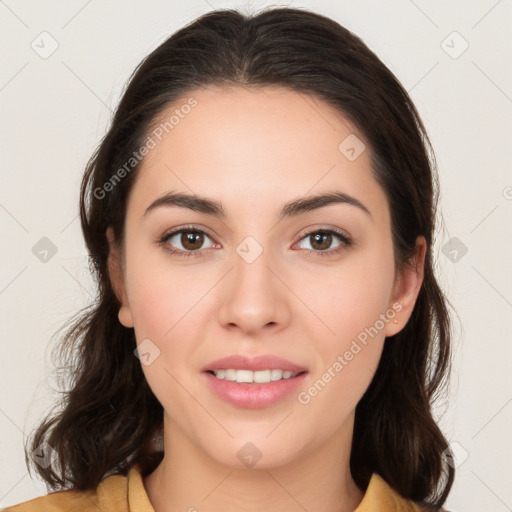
(269,333)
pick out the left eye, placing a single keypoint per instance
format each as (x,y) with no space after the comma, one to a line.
(191,241)
(323,239)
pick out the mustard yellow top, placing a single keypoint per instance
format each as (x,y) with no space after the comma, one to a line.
(119,493)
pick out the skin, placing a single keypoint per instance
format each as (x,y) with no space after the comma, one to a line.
(255,150)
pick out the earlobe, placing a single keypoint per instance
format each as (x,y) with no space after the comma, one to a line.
(125,316)
(406,288)
(117,280)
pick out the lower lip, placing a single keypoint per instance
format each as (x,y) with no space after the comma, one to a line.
(253,396)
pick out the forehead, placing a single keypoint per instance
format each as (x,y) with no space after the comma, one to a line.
(255,146)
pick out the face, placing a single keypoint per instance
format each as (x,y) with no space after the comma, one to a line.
(314,286)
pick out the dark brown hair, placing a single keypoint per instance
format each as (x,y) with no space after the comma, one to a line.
(109,418)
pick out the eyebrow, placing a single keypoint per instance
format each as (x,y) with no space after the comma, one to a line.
(290,209)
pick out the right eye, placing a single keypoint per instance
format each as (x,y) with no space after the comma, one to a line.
(189,237)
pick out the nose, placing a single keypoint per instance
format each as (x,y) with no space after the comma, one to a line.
(253,295)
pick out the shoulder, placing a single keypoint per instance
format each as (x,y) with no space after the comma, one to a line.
(381,497)
(111,494)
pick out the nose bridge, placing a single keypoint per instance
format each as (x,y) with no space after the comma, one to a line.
(251,262)
(253,297)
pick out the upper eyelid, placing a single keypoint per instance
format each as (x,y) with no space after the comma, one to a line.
(173,232)
(304,233)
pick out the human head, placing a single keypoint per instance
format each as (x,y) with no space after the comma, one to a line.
(224,48)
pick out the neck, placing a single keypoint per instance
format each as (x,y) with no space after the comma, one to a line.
(188,479)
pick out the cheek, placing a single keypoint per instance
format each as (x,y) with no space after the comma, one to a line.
(167,308)
(354,304)
(162,306)
(333,395)
(350,356)
(352,298)
(163,296)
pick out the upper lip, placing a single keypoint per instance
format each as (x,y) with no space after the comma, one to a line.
(255,363)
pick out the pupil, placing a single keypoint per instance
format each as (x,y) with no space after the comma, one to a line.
(189,240)
(327,236)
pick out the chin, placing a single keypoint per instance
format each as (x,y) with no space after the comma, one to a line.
(253,452)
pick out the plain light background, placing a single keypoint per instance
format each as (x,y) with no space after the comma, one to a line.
(454,59)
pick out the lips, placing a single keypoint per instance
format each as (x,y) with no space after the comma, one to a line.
(256,363)
(252,395)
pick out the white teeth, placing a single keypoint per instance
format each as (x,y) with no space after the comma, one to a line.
(244,376)
(230,374)
(260,376)
(276,374)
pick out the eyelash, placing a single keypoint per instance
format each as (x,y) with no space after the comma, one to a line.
(344,238)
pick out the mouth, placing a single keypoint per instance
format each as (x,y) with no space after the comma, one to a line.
(252,382)
(243,376)
(259,363)
(248,389)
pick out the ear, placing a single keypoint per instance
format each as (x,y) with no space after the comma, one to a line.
(117,280)
(406,288)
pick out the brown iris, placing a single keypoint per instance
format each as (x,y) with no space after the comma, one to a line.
(192,240)
(317,236)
